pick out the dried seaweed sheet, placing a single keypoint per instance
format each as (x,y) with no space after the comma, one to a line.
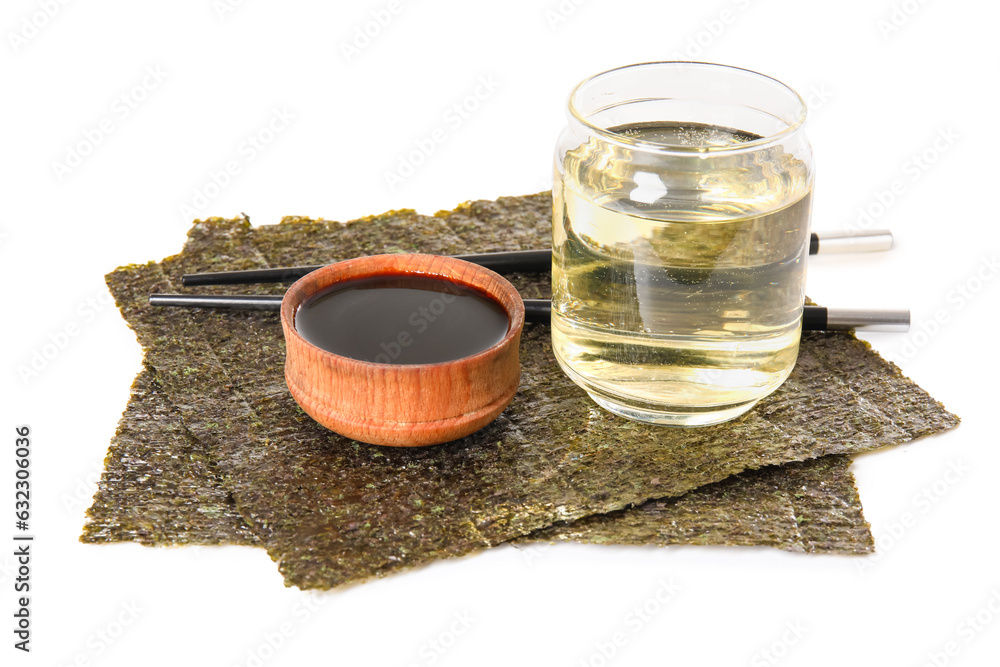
(160,485)
(142,499)
(809,506)
(331,510)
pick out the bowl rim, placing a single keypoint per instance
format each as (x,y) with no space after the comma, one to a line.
(515,314)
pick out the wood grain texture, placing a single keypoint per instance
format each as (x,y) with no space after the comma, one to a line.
(394,404)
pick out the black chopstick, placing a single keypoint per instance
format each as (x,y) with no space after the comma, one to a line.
(224,301)
(515,261)
(533,261)
(814,318)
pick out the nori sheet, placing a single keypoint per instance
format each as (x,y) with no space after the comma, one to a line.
(160,486)
(808,506)
(332,511)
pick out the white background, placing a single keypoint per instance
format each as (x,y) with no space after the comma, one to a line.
(880,96)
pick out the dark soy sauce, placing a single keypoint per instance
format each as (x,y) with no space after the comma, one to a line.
(402,320)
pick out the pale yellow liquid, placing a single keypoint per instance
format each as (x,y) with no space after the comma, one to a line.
(677,283)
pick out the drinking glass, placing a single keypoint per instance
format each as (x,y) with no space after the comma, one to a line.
(680,234)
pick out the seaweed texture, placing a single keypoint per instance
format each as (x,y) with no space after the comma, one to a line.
(331,511)
(160,486)
(810,506)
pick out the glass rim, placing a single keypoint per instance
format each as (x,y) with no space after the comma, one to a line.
(661,147)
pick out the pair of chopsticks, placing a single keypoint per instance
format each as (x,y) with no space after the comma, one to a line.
(533,261)
(814,318)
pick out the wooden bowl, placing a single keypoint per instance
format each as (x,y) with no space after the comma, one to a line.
(395,404)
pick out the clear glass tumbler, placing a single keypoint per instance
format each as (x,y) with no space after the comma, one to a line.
(680,234)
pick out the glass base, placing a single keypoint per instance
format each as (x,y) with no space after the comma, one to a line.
(668,414)
(676,415)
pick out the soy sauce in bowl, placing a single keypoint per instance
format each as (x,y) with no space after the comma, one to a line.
(402,319)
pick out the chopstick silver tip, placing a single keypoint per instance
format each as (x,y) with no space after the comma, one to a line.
(870,240)
(862,319)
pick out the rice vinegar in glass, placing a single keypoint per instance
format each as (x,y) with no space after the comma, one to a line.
(681,209)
